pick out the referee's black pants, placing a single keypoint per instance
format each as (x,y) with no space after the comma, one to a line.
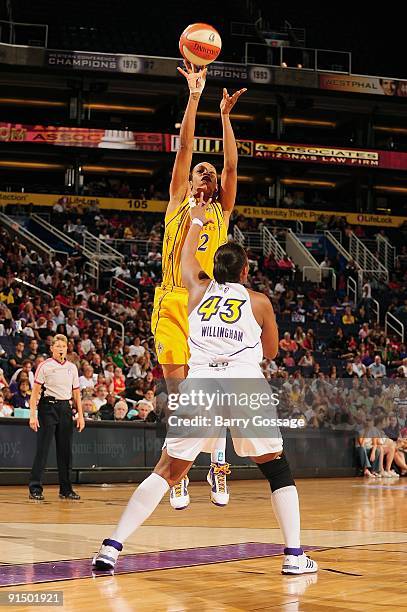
(55,419)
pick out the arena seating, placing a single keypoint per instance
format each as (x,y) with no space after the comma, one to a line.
(98,343)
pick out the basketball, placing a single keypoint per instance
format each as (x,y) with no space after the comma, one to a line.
(200,44)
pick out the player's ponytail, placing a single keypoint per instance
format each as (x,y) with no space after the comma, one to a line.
(229,261)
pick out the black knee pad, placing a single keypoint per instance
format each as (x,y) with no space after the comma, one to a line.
(277,472)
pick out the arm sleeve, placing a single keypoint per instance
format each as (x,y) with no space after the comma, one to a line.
(39,374)
(75,380)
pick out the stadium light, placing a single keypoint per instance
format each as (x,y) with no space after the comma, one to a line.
(237,116)
(29,102)
(312,122)
(145,171)
(119,107)
(394,189)
(385,128)
(33,165)
(308,183)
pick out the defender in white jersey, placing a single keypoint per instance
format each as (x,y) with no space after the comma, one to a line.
(231,328)
(222,328)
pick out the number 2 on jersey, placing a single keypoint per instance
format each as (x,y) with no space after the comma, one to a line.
(211,306)
(204,242)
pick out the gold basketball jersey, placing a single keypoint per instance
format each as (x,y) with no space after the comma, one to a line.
(176,229)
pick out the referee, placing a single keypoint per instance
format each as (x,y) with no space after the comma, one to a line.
(59,380)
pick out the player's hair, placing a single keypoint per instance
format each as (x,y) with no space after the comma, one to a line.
(230,259)
(59,338)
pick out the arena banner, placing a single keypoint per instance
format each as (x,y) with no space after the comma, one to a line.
(159,206)
(383,86)
(311,216)
(82,137)
(163,66)
(336,156)
(156,66)
(154,141)
(212,146)
(81,202)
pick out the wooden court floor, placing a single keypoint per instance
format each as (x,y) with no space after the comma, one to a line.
(212,559)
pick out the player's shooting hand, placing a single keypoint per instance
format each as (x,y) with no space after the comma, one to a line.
(228,102)
(199,211)
(195,78)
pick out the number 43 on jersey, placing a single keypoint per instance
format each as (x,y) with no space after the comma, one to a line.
(229,310)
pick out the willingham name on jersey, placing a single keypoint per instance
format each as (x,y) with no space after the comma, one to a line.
(222,332)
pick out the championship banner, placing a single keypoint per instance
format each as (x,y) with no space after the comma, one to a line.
(15,55)
(73,201)
(364,84)
(157,66)
(159,206)
(82,137)
(213,146)
(311,216)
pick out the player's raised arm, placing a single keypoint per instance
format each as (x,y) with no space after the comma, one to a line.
(228,187)
(182,164)
(193,277)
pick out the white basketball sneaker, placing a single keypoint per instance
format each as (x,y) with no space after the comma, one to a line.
(107,556)
(298,564)
(217,479)
(179,496)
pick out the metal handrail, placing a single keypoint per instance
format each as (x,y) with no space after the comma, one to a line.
(70,306)
(24,233)
(311,51)
(23,282)
(101,316)
(386,250)
(54,230)
(123,282)
(304,249)
(93,267)
(238,236)
(387,324)
(352,288)
(333,274)
(271,245)
(21,23)
(376,303)
(365,259)
(337,245)
(320,271)
(102,245)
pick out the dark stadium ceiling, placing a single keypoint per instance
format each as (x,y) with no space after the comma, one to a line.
(374,33)
(153,93)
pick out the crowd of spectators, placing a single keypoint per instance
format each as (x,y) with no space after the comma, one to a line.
(331,349)
(112,367)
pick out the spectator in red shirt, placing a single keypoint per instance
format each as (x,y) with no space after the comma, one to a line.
(287,344)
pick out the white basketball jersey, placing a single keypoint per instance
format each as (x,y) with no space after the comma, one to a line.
(222,327)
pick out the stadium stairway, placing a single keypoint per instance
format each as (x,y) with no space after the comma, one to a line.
(55,242)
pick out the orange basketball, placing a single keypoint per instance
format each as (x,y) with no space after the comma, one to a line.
(200,44)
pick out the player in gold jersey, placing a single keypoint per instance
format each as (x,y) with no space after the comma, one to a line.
(169,322)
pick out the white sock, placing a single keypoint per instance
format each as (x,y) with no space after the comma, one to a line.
(142,503)
(218,455)
(286,507)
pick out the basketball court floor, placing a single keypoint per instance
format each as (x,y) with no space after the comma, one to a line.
(210,559)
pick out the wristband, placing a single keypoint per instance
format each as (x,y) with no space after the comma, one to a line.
(197,221)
